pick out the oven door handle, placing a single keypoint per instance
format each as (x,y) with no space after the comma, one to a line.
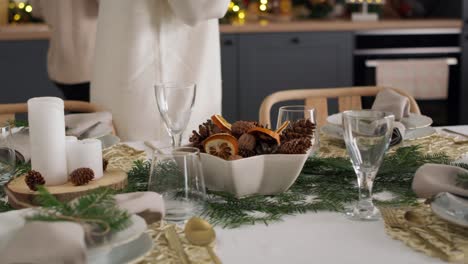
(375,63)
(407,51)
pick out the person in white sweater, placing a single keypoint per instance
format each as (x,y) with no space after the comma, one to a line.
(71,49)
(144,42)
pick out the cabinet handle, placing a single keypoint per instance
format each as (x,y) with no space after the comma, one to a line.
(228,42)
(295,40)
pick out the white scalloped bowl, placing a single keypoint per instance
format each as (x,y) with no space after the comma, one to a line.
(264,174)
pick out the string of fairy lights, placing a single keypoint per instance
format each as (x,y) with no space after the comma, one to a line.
(20,11)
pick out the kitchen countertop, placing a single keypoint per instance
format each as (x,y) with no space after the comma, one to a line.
(41,31)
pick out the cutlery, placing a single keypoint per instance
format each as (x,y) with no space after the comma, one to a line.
(153,147)
(417,220)
(200,233)
(393,222)
(454,132)
(175,244)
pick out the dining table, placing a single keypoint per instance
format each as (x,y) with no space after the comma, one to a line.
(313,237)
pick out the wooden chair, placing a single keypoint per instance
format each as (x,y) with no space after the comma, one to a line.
(348,99)
(8,111)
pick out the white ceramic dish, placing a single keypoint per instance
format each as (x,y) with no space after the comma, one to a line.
(132,252)
(412,122)
(336,132)
(264,174)
(451,208)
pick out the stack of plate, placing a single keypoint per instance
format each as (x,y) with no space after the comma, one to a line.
(417,126)
(127,246)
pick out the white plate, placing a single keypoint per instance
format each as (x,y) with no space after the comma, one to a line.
(132,252)
(336,132)
(12,221)
(412,122)
(451,208)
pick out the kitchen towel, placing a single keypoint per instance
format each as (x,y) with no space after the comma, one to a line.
(425,79)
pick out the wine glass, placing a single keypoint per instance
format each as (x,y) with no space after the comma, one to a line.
(367,136)
(175,102)
(7,157)
(295,113)
(177,175)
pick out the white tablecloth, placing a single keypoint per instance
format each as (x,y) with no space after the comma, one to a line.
(320,238)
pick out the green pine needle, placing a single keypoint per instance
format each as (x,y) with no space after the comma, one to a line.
(97,207)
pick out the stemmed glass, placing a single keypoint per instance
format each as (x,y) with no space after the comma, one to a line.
(367,136)
(295,113)
(177,175)
(7,157)
(175,102)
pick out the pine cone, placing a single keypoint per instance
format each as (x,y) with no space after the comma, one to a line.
(34,178)
(204,131)
(299,129)
(296,146)
(241,127)
(247,141)
(246,153)
(105,163)
(266,148)
(81,176)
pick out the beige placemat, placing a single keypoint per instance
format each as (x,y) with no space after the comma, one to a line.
(122,156)
(163,254)
(457,235)
(436,143)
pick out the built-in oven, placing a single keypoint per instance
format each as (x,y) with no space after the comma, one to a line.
(377,45)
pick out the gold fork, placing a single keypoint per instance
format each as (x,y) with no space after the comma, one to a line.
(392,221)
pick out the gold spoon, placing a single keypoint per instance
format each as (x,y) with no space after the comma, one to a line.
(200,233)
(417,220)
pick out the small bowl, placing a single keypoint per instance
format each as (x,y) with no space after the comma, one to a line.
(263,175)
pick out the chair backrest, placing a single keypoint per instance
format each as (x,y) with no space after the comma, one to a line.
(8,111)
(348,99)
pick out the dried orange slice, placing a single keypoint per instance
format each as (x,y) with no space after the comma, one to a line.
(283,127)
(265,133)
(221,145)
(220,122)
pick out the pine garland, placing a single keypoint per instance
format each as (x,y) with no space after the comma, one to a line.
(326,184)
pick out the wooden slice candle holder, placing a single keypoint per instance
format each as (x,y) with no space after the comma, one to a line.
(19,194)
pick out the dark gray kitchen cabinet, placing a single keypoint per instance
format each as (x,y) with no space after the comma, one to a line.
(230,75)
(270,62)
(463,112)
(24,71)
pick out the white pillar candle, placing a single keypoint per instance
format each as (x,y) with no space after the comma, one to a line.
(69,140)
(85,154)
(47,138)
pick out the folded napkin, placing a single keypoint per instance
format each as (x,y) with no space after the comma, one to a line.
(431,179)
(390,101)
(149,205)
(46,242)
(90,125)
(65,241)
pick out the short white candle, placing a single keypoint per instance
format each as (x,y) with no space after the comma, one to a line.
(47,139)
(85,154)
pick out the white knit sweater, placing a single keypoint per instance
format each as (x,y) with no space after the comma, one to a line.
(71,48)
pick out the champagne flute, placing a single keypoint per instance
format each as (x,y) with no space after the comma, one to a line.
(367,136)
(175,102)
